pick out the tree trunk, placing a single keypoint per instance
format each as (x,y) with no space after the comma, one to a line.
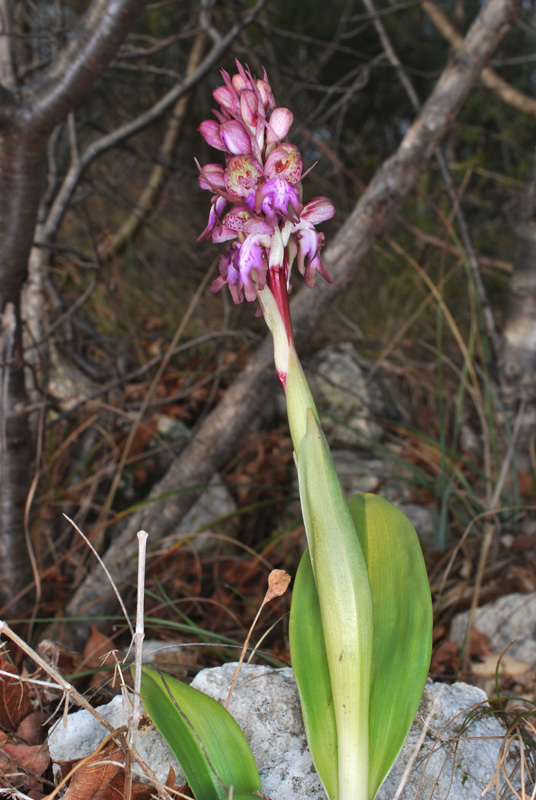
(26,122)
(20,185)
(519,367)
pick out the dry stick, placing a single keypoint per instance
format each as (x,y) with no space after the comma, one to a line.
(134,718)
(72,694)
(69,690)
(243,401)
(278,581)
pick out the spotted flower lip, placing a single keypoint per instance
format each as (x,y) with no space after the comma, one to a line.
(257,195)
(284,162)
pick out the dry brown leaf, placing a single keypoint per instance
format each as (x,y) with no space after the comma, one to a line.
(33,758)
(31,727)
(94,777)
(278,581)
(14,700)
(479,646)
(98,650)
(445,659)
(98,779)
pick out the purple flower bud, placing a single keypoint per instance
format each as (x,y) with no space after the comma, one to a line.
(240,81)
(279,125)
(211,177)
(284,162)
(249,108)
(265,91)
(319,209)
(235,138)
(210,131)
(227,98)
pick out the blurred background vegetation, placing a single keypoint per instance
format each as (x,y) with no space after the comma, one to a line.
(113,311)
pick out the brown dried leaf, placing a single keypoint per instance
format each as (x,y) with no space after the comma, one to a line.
(92,780)
(479,646)
(34,759)
(98,650)
(278,581)
(446,658)
(14,700)
(31,728)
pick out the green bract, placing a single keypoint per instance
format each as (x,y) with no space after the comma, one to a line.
(204,737)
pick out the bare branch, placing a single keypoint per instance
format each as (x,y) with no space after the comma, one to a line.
(147,198)
(91,46)
(509,94)
(139,123)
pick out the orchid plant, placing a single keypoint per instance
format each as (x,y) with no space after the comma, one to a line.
(361,619)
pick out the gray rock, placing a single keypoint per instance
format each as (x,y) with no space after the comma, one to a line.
(351,400)
(511,617)
(452,748)
(82,734)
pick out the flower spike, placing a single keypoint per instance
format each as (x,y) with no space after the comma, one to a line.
(257,202)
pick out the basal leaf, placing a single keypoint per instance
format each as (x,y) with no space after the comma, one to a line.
(402,631)
(310,665)
(402,613)
(206,740)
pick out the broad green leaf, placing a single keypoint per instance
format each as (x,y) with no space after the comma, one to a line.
(402,613)
(310,665)
(344,596)
(402,610)
(206,740)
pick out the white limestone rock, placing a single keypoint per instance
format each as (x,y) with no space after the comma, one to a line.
(455,758)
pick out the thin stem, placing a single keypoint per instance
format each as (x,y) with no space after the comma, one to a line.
(277,281)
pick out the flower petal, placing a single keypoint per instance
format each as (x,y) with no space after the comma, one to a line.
(318,210)
(210,131)
(235,138)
